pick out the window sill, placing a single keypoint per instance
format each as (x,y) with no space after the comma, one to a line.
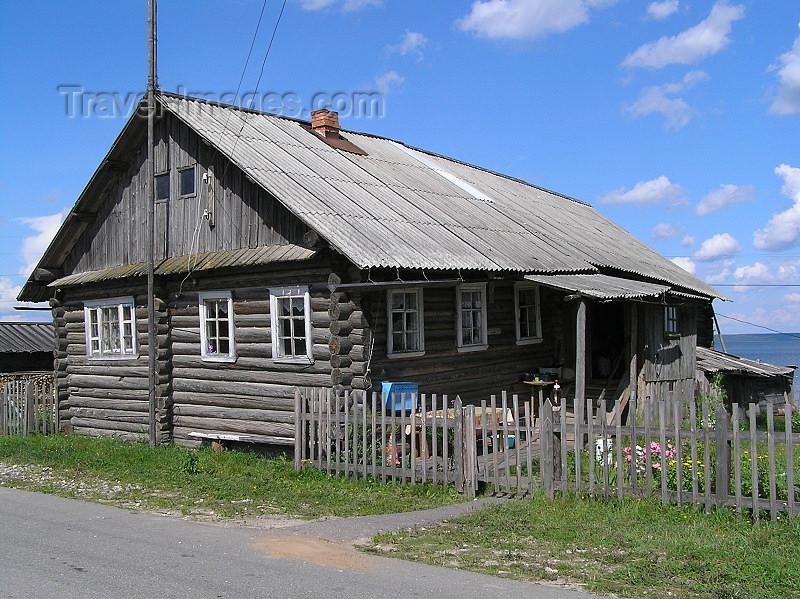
(110,357)
(212,358)
(529,340)
(300,361)
(470,348)
(415,354)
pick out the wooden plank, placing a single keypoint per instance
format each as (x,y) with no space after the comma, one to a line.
(676,416)
(470,452)
(606,449)
(495,437)
(517,442)
(580,354)
(546,449)
(693,440)
(618,444)
(634,448)
(751,412)
(485,439)
(737,460)
(458,457)
(787,411)
(592,447)
(502,444)
(384,448)
(648,451)
(722,455)
(364,436)
(577,440)
(706,454)
(435,439)
(662,430)
(564,466)
(529,438)
(773,489)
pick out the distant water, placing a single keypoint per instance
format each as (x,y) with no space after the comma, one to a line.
(772,348)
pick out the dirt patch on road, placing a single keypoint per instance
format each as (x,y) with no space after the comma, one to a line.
(317,551)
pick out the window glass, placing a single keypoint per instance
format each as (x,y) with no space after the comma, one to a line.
(291,325)
(162,186)
(405,335)
(186,177)
(217,326)
(472,331)
(528,315)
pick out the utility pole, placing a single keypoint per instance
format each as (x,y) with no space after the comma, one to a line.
(152,338)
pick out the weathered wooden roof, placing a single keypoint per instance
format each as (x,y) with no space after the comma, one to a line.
(193,262)
(602,287)
(709,360)
(398,206)
(26,337)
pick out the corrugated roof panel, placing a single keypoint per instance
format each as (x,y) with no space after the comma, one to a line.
(26,337)
(363,205)
(600,286)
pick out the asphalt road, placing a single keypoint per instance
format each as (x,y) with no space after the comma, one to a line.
(52,547)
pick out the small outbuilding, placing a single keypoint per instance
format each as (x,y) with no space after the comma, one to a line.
(26,346)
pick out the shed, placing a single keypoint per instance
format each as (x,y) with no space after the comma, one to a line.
(26,346)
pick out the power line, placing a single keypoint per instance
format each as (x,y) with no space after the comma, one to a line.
(760,326)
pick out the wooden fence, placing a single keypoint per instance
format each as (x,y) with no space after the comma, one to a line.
(676,450)
(27,404)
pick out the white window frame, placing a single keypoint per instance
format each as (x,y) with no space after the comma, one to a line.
(276,294)
(527,339)
(218,296)
(391,352)
(94,312)
(484,328)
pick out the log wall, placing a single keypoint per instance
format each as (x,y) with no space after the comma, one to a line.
(473,375)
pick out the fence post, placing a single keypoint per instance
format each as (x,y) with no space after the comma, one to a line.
(297,430)
(469,452)
(458,444)
(30,409)
(723,451)
(547,446)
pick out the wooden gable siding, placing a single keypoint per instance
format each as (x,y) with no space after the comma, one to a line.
(244,214)
(472,375)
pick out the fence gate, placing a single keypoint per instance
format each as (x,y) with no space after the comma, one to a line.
(27,404)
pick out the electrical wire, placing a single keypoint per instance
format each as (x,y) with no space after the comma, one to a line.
(760,326)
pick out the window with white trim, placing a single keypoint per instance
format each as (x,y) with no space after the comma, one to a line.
(111,328)
(216,326)
(471,330)
(290,312)
(527,311)
(405,333)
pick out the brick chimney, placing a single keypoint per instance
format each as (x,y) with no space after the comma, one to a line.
(325,123)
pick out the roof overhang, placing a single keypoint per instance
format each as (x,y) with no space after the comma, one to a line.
(709,360)
(193,263)
(602,287)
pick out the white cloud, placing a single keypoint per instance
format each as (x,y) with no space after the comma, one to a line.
(527,19)
(787,100)
(648,193)
(792,297)
(688,241)
(720,277)
(755,273)
(696,43)
(661,10)
(412,43)
(656,99)
(725,196)
(664,231)
(783,229)
(34,246)
(721,245)
(346,5)
(8,293)
(686,264)
(389,81)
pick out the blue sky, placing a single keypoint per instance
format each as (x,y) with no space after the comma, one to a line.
(678,119)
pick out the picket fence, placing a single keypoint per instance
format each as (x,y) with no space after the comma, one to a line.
(27,404)
(675,450)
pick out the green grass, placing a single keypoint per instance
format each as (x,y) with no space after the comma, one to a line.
(201,482)
(633,548)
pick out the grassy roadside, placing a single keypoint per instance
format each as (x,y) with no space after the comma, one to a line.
(202,483)
(633,548)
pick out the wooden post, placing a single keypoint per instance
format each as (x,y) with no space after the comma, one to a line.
(633,366)
(547,448)
(3,411)
(469,452)
(787,412)
(152,352)
(297,430)
(29,423)
(458,445)
(580,354)
(723,450)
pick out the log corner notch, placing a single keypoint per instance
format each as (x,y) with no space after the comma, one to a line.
(349,336)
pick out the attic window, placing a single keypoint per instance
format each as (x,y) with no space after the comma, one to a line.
(187,181)
(162,186)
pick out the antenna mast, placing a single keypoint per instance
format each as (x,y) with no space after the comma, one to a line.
(151,224)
